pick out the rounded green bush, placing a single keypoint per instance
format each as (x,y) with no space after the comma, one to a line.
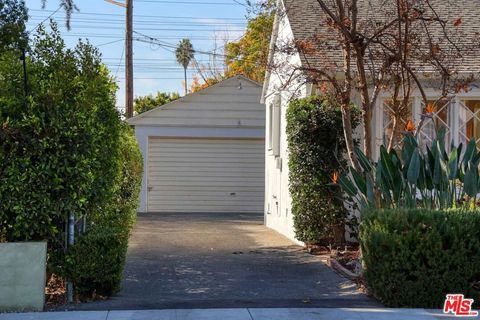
(414,257)
(96,261)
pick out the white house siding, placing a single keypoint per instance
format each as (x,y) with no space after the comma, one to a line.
(278,201)
(228,114)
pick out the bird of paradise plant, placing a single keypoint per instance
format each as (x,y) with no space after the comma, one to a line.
(436,178)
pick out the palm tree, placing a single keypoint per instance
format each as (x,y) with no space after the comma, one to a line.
(184,54)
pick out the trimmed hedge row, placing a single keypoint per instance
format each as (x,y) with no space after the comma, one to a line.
(316,145)
(65,149)
(414,257)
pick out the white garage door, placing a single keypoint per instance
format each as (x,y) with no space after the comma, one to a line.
(205,175)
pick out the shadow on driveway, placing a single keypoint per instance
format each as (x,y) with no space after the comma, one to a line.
(194,260)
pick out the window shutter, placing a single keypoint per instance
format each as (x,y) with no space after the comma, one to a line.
(276,123)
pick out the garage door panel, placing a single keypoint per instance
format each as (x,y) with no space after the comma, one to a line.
(240,181)
(205,175)
(207,208)
(198,146)
(201,174)
(172,199)
(209,193)
(189,188)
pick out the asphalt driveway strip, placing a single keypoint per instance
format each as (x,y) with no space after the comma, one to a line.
(216,260)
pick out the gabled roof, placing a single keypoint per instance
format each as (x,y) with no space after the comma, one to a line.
(308,21)
(233,102)
(189,96)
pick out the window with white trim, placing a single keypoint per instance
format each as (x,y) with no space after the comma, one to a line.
(436,117)
(469,121)
(270,126)
(274,118)
(395,119)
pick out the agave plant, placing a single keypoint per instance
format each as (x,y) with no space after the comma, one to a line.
(435,178)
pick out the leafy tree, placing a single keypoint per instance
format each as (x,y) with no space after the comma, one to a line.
(13,17)
(249,55)
(149,102)
(184,55)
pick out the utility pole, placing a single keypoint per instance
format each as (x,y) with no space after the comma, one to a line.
(128,5)
(129,61)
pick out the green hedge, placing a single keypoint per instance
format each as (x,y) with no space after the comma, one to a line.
(316,147)
(96,261)
(59,145)
(64,149)
(414,257)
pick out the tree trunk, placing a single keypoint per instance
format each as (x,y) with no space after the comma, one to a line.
(365,97)
(367,130)
(348,133)
(185,74)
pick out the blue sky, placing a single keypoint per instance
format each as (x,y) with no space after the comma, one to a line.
(208,23)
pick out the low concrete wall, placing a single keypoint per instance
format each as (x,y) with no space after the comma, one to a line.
(22,276)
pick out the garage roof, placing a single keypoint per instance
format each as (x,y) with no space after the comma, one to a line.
(234,102)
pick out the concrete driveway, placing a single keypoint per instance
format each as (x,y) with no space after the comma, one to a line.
(192,260)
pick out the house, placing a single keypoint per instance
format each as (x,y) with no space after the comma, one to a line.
(298,21)
(205,152)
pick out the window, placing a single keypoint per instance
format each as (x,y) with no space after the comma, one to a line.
(437,119)
(469,121)
(270,126)
(274,126)
(394,126)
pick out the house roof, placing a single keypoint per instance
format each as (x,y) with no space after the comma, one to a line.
(308,22)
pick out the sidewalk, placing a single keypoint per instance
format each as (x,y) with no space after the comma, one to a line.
(239,314)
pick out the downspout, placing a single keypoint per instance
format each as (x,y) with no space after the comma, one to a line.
(271,51)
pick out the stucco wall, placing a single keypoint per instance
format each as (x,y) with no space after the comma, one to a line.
(22,276)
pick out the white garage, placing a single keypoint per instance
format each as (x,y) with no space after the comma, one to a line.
(206,151)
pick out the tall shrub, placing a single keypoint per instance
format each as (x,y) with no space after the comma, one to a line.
(316,145)
(59,143)
(96,261)
(414,257)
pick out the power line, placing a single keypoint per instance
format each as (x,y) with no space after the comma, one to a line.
(51,15)
(121,36)
(158,29)
(148,22)
(192,2)
(121,59)
(104,44)
(164,44)
(145,16)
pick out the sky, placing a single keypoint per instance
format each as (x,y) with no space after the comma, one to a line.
(207,23)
